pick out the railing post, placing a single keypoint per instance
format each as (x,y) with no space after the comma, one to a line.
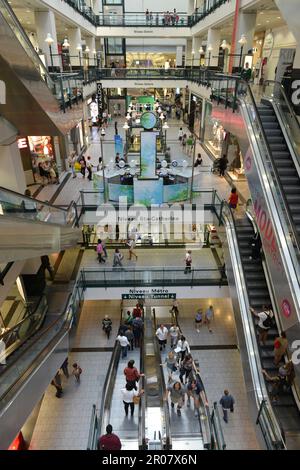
(235,95)
(214,197)
(221,212)
(62,94)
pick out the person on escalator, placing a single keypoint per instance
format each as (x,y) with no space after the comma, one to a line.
(177,392)
(186,368)
(182,347)
(137,326)
(255,244)
(132,374)
(162,334)
(129,394)
(109,441)
(107,325)
(283,379)
(130,336)
(233,199)
(265,322)
(280,347)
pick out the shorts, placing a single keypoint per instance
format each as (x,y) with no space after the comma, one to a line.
(198,321)
(162,341)
(262,330)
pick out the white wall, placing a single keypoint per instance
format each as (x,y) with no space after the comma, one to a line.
(283,38)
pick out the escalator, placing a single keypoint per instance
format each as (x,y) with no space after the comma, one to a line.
(33,97)
(31,228)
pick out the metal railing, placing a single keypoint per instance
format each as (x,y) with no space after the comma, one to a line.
(153,19)
(209,6)
(219,441)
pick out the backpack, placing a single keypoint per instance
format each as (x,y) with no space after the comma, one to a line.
(268,322)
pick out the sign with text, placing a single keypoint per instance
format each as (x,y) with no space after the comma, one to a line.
(153,293)
(100,99)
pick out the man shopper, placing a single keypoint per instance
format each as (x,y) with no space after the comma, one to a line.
(227,403)
(109,441)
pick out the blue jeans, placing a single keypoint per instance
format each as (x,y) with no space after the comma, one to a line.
(124,351)
(225,415)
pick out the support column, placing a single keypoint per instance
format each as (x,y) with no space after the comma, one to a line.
(179,53)
(191,7)
(91,44)
(196,44)
(188,53)
(213,40)
(45,24)
(74,37)
(246,27)
(97,7)
(12,175)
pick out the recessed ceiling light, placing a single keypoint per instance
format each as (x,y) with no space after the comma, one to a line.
(268,21)
(258,24)
(279,17)
(27,11)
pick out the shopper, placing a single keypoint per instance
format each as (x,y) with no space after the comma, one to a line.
(227,403)
(117,261)
(77,371)
(147,14)
(171,363)
(198,161)
(132,374)
(255,244)
(233,199)
(195,390)
(283,380)
(176,392)
(265,322)
(71,161)
(89,167)
(130,336)
(129,319)
(180,134)
(174,308)
(100,251)
(137,311)
(174,334)
(188,262)
(131,246)
(104,248)
(56,382)
(128,394)
(182,347)
(124,343)
(190,145)
(102,132)
(280,347)
(107,326)
(186,368)
(209,316)
(137,326)
(65,369)
(183,142)
(116,127)
(223,162)
(198,320)
(109,441)
(162,334)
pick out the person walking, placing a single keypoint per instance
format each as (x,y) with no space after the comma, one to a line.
(174,334)
(233,199)
(89,168)
(180,134)
(265,322)
(137,326)
(132,374)
(77,371)
(223,162)
(107,325)
(280,348)
(182,347)
(131,246)
(186,368)
(227,403)
(117,261)
(176,392)
(162,334)
(183,142)
(209,316)
(71,161)
(100,251)
(65,369)
(190,145)
(82,163)
(124,343)
(174,308)
(198,320)
(188,262)
(104,248)
(128,394)
(130,336)
(171,363)
(56,382)
(109,441)
(116,127)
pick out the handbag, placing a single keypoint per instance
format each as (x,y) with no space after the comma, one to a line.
(136,399)
(77,166)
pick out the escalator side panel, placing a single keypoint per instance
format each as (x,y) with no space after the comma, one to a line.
(17,410)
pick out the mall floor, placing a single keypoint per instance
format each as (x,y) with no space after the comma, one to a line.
(64,423)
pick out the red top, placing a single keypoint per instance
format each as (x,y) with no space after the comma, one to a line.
(131,373)
(136,312)
(109,442)
(234,198)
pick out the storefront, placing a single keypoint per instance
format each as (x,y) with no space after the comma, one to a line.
(218,141)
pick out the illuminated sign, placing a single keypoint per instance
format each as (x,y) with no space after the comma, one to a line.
(22,143)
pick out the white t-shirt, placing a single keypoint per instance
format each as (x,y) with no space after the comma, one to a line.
(262,317)
(174,331)
(128,395)
(123,340)
(183,345)
(162,333)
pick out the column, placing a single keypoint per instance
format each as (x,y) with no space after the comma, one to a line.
(91,44)
(74,37)
(97,7)
(188,53)
(45,24)
(246,27)
(196,44)
(213,40)
(179,53)
(191,7)
(12,175)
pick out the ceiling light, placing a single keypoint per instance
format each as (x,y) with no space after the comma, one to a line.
(49,39)
(66,43)
(210,48)
(87,49)
(243,40)
(279,17)
(79,47)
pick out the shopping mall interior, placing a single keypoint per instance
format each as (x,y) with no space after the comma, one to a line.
(151,160)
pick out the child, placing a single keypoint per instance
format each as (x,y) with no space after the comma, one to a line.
(77,371)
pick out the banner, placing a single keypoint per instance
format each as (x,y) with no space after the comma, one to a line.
(100,99)
(119,145)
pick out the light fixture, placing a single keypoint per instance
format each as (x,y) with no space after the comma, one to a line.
(165,126)
(243,40)
(79,47)
(87,49)
(94,52)
(193,52)
(224,45)
(210,48)
(66,43)
(126,127)
(49,39)
(201,50)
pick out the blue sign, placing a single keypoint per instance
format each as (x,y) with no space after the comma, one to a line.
(119,145)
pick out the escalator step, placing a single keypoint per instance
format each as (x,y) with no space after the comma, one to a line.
(295,208)
(291,189)
(287,171)
(278,147)
(289,180)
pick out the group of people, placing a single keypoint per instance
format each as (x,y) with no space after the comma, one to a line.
(57,379)
(186,142)
(118,256)
(48,172)
(82,164)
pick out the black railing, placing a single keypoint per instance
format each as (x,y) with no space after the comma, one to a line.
(209,7)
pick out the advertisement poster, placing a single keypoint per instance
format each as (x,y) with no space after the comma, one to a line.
(119,145)
(148,192)
(148,155)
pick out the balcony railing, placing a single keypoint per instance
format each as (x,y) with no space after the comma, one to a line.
(209,7)
(156,19)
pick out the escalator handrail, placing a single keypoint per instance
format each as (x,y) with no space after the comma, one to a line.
(142,404)
(38,201)
(37,337)
(286,100)
(35,55)
(275,171)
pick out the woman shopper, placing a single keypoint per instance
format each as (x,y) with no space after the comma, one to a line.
(233,199)
(171,363)
(177,395)
(186,368)
(128,395)
(280,348)
(188,262)
(132,374)
(117,261)
(100,251)
(198,320)
(82,166)
(182,347)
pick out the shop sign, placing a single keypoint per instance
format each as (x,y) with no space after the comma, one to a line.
(144,31)
(144,84)
(154,293)
(283,296)
(100,99)
(22,143)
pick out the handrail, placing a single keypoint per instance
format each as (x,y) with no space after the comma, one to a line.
(287,102)
(142,404)
(216,424)
(270,155)
(28,198)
